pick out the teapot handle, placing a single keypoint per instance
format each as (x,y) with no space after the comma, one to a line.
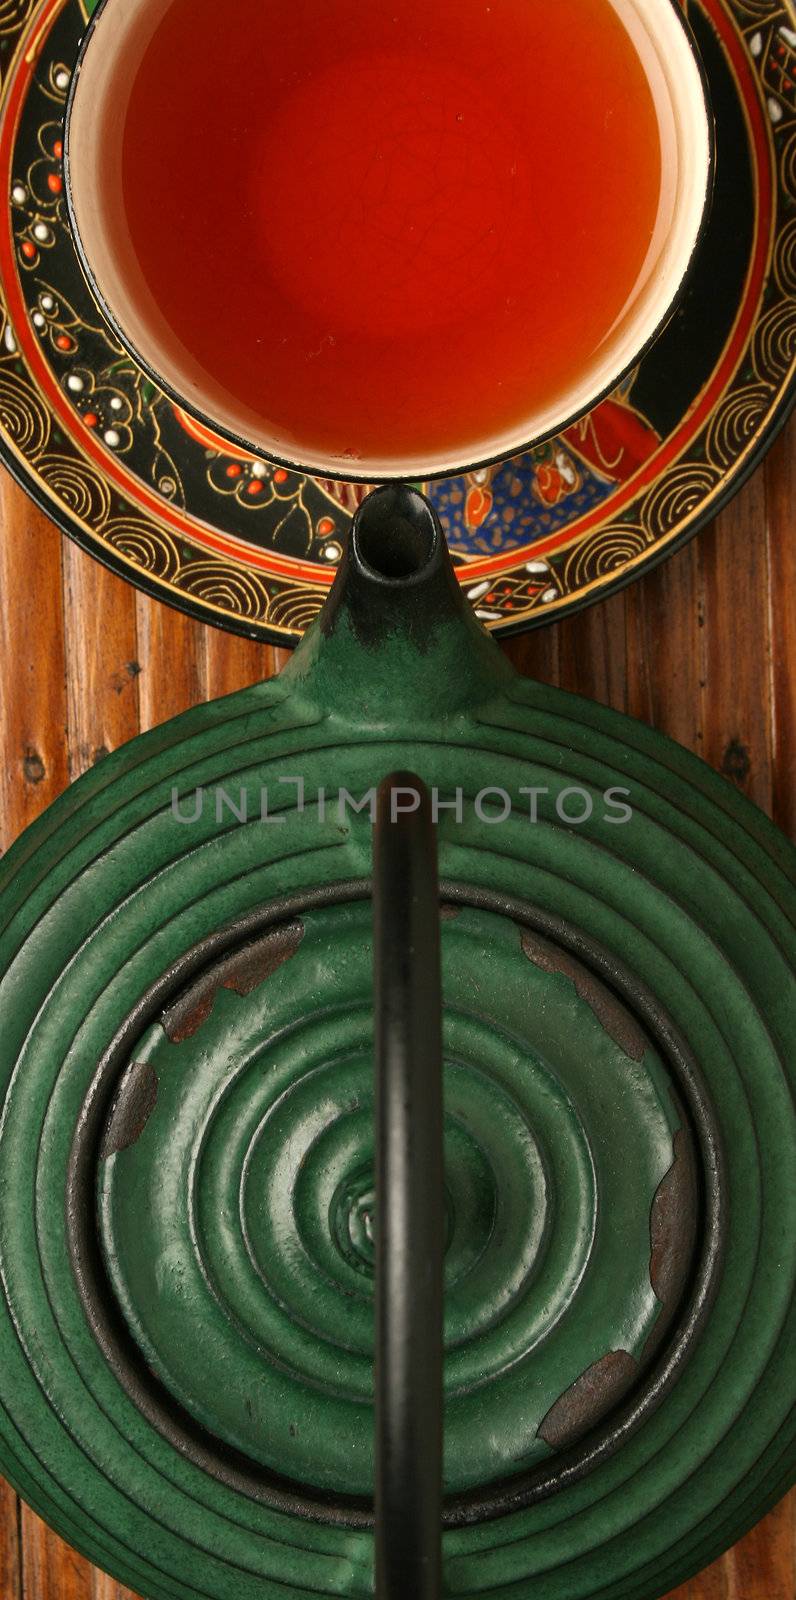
(409,1194)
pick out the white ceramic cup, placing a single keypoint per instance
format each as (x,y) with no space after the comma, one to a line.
(93,167)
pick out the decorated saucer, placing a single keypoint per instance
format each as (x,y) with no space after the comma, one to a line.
(254,548)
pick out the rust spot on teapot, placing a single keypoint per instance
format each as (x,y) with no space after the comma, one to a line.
(673,1223)
(241,972)
(131,1110)
(588,1399)
(610,1013)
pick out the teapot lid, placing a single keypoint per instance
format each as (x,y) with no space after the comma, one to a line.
(234,1190)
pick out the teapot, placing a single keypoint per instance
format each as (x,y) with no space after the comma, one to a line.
(558,1210)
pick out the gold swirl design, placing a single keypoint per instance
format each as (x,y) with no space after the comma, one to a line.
(13,14)
(56,84)
(789,166)
(677,497)
(227,587)
(735,423)
(604,552)
(784,264)
(295,608)
(24,419)
(761,8)
(774,343)
(78,486)
(148,547)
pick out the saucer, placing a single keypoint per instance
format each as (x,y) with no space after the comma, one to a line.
(253,548)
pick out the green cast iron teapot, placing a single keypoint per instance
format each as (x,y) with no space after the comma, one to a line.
(571,1176)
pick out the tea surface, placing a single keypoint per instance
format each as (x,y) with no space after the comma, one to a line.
(390,229)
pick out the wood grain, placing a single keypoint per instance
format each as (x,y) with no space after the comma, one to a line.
(704,648)
(102,669)
(665,617)
(35,763)
(737,708)
(51,1570)
(10,1552)
(780,477)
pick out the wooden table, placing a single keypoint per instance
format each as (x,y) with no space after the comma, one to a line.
(704,648)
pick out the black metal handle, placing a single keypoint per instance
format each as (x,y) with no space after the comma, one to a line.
(409,1194)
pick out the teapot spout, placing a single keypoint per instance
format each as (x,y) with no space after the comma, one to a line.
(397,637)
